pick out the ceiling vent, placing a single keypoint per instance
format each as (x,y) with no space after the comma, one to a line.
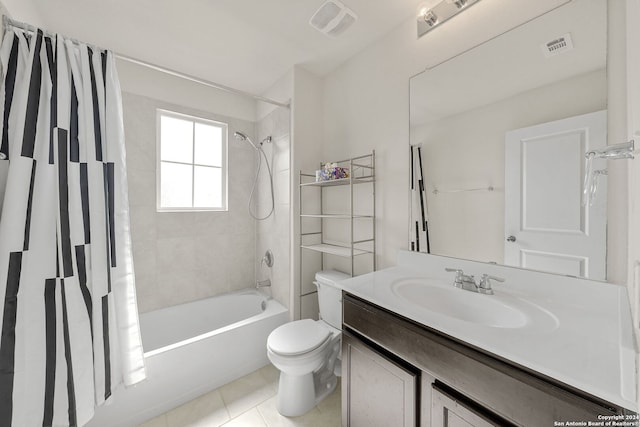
(557,46)
(333,18)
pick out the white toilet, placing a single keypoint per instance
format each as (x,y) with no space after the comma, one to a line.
(307,352)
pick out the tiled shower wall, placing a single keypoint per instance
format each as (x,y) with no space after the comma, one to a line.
(186,256)
(274,232)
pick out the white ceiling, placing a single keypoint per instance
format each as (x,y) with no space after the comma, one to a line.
(245,44)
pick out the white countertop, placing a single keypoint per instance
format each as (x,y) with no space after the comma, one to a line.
(590,346)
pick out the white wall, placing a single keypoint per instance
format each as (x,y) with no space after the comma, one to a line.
(304,90)
(24,11)
(273,233)
(366,104)
(633,132)
(471,225)
(143,81)
(307,153)
(228,246)
(624,125)
(628,92)
(186,256)
(618,187)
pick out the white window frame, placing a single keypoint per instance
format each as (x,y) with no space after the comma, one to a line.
(225,162)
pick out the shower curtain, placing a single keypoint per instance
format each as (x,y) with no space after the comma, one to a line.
(69,323)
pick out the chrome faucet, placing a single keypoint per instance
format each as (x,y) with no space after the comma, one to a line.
(484,287)
(463,281)
(468,282)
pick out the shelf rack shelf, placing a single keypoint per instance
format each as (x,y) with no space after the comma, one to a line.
(336,216)
(342,251)
(361,171)
(336,182)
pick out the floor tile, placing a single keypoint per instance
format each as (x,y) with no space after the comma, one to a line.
(270,373)
(246,393)
(333,402)
(269,412)
(313,418)
(205,411)
(250,418)
(249,401)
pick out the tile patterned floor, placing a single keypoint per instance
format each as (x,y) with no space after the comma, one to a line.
(249,401)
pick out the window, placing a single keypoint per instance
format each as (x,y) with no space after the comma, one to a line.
(192,163)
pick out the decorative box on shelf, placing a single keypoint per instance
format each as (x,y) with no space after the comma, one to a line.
(331,171)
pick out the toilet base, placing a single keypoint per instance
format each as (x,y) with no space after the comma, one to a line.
(298,394)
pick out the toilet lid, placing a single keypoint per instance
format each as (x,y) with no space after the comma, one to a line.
(301,336)
(331,277)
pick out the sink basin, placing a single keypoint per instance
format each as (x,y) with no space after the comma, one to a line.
(496,311)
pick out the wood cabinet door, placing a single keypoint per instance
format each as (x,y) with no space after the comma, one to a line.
(446,411)
(376,391)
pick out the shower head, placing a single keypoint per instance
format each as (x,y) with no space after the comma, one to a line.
(242,137)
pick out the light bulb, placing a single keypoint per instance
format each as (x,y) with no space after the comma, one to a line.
(425,7)
(430,18)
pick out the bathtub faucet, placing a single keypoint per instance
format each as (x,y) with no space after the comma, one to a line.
(263,283)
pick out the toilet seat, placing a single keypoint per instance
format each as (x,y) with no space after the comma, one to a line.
(299,337)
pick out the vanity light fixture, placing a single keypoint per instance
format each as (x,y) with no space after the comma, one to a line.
(435,12)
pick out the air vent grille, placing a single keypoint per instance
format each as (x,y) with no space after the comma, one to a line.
(323,16)
(332,18)
(342,25)
(557,46)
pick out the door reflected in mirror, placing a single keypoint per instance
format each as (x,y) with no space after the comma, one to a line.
(499,135)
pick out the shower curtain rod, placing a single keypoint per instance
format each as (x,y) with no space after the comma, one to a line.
(199,80)
(27,27)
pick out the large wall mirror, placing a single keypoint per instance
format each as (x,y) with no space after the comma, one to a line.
(499,136)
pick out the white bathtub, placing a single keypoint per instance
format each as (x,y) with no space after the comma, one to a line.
(193,348)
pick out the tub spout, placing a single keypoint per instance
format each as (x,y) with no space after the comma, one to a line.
(263,283)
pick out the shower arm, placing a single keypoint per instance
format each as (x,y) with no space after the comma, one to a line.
(624,150)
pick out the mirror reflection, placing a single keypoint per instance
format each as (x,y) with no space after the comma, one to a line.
(499,136)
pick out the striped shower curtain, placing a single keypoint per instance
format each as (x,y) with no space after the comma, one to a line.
(69,324)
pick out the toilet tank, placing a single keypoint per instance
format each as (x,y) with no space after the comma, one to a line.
(330,296)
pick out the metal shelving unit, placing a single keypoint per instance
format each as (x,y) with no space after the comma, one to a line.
(362,171)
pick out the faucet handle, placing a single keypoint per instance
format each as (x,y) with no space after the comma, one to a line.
(462,279)
(487,277)
(459,272)
(485,283)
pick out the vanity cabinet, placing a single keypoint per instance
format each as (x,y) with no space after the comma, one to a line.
(455,384)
